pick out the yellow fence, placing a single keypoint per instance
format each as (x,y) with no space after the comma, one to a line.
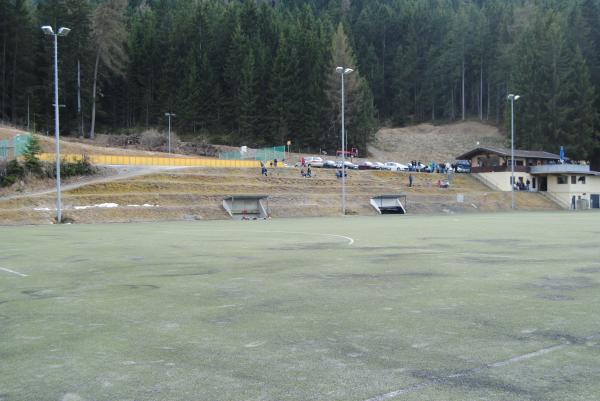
(154,161)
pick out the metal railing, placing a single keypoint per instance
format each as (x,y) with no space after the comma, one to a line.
(560,169)
(499,169)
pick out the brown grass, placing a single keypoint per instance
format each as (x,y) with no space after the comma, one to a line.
(427,142)
(86,146)
(197,194)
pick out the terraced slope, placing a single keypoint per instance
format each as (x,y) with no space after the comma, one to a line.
(198,193)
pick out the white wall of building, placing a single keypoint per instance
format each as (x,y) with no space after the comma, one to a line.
(581,190)
(561,193)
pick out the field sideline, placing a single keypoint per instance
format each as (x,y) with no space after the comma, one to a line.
(494,307)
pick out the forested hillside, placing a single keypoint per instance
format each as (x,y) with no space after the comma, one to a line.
(262,72)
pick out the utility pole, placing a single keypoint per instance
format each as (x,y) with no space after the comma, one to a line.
(169,115)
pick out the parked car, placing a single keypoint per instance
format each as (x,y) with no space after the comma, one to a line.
(329,164)
(379,165)
(393,166)
(462,166)
(313,161)
(347,164)
(367,165)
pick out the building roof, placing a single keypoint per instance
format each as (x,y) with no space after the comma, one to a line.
(527,154)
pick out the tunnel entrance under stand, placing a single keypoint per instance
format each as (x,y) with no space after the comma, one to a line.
(247,207)
(389,204)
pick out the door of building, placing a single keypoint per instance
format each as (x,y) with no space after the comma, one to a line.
(544,184)
(595,201)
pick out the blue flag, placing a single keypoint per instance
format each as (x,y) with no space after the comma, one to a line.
(562,154)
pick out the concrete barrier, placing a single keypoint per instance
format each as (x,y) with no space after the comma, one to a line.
(389,204)
(242,207)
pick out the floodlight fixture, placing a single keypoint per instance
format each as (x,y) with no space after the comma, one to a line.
(47,30)
(62,31)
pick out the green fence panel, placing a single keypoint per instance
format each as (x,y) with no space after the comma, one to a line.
(11,149)
(4,150)
(276,152)
(20,143)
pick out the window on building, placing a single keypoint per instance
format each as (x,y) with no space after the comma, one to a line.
(562,179)
(582,179)
(573,179)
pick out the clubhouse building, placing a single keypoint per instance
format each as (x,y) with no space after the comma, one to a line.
(562,181)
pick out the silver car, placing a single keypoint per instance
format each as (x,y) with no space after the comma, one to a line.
(393,166)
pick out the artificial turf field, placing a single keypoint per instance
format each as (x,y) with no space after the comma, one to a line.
(459,307)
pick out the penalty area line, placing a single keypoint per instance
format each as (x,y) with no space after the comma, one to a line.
(449,378)
(13,272)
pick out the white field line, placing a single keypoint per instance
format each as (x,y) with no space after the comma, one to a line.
(497,256)
(13,272)
(443,379)
(524,357)
(349,239)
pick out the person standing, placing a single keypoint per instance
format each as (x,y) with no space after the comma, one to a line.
(410,180)
(263,169)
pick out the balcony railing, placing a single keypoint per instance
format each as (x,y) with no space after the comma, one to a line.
(499,169)
(560,169)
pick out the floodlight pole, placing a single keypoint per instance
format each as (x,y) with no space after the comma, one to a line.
(512,99)
(61,32)
(169,115)
(343,71)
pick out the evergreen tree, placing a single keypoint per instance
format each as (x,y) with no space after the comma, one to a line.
(282,90)
(263,72)
(359,118)
(582,117)
(247,101)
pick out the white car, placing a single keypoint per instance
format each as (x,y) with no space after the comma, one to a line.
(393,166)
(313,161)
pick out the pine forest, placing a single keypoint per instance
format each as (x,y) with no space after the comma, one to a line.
(261,72)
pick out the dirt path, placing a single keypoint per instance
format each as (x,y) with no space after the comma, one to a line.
(121,173)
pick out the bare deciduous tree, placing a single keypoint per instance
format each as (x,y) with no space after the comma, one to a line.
(109,35)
